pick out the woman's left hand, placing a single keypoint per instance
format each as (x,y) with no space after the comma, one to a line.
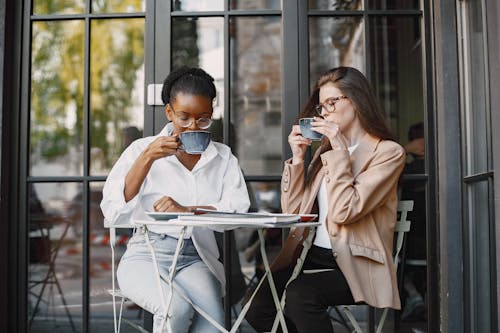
(331,130)
(167,204)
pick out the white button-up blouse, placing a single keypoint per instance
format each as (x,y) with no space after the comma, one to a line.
(216,180)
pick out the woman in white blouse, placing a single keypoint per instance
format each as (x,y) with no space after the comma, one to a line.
(153,174)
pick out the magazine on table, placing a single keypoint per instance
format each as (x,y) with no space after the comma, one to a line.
(224,217)
(258,217)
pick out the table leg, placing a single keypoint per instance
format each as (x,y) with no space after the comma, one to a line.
(272,286)
(166,303)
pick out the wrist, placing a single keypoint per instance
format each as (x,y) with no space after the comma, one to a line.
(146,158)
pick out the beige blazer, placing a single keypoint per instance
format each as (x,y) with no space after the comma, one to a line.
(362,213)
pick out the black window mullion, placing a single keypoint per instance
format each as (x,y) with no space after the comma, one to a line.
(366,26)
(21,242)
(290,99)
(162,57)
(226,12)
(226,131)
(149,59)
(86,169)
(493,254)
(303,37)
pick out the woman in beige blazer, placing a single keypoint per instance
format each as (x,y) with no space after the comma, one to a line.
(351,183)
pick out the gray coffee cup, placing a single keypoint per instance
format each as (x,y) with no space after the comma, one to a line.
(306,130)
(195,142)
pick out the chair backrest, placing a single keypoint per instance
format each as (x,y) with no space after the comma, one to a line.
(402,227)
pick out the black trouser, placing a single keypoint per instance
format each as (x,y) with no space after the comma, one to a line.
(307,297)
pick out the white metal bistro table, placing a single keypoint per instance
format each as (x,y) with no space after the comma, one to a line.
(220,225)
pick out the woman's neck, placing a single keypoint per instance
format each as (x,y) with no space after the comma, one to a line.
(355,133)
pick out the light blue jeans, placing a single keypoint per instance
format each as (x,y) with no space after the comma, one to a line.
(138,282)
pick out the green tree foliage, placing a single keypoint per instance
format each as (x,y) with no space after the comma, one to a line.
(57,81)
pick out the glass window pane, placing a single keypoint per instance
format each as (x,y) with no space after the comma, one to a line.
(393,4)
(414,145)
(118,6)
(197,5)
(255,4)
(474,88)
(396,70)
(44,7)
(336,4)
(116,89)
(55,257)
(199,42)
(56,115)
(256,94)
(479,229)
(333,42)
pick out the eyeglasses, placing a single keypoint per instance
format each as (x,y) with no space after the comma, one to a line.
(185,121)
(328,104)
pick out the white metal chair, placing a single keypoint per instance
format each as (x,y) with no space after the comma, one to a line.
(114,291)
(402,227)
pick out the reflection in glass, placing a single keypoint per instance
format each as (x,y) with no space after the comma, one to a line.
(56,115)
(415,148)
(116,89)
(336,4)
(256,94)
(396,70)
(197,5)
(44,7)
(393,4)
(118,6)
(55,257)
(479,272)
(474,88)
(255,4)
(335,42)
(200,43)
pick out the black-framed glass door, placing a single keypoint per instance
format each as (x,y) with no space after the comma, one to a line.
(265,56)
(480,306)
(84,73)
(90,89)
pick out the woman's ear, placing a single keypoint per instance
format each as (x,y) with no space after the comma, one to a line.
(168,112)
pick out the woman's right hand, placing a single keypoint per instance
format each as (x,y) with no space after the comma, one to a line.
(298,144)
(162,146)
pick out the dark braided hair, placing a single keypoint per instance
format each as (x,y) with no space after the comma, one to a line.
(193,81)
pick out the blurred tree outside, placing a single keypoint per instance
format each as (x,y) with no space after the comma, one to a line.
(57,83)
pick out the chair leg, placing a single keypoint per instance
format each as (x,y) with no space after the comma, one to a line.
(382,320)
(120,315)
(341,320)
(64,302)
(353,320)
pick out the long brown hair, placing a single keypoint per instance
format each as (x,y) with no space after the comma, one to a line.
(353,84)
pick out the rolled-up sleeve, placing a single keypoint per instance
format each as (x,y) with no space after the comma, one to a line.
(113,205)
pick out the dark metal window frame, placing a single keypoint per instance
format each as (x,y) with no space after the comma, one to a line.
(85,180)
(295,18)
(486,176)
